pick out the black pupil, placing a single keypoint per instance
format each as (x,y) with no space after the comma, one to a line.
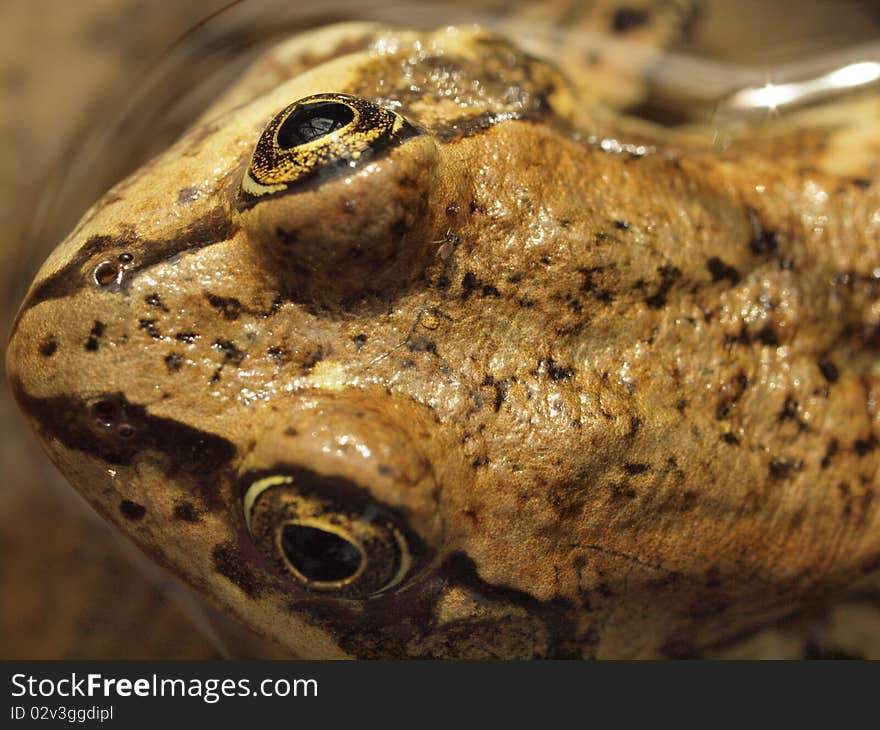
(319,555)
(311,121)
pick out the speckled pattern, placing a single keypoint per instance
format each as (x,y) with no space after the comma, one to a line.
(454,327)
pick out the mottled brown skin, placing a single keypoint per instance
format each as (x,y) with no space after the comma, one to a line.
(619,402)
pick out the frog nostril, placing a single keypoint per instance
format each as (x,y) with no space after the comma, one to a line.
(313,121)
(320,555)
(105,412)
(107,273)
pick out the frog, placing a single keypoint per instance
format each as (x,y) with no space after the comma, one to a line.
(412,347)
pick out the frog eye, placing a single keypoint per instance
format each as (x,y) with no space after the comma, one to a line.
(308,122)
(326,535)
(315,137)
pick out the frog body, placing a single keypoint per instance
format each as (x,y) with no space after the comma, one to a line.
(411,350)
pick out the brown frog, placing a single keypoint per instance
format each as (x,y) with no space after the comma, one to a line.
(409,349)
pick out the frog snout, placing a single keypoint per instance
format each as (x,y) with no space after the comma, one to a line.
(341,498)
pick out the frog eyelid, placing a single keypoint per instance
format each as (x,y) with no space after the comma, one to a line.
(357,529)
(257,488)
(275,167)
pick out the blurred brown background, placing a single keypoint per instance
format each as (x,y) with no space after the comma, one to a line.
(69,588)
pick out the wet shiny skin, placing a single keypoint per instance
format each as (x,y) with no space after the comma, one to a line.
(546,382)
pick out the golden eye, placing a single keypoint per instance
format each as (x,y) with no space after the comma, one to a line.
(328,534)
(315,137)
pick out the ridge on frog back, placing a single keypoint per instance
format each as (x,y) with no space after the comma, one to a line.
(389,355)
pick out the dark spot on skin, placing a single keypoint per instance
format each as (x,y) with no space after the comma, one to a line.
(185,196)
(668,276)
(729,438)
(764,242)
(149,326)
(92,343)
(632,468)
(590,286)
(173,361)
(313,358)
(231,353)
(635,424)
(291,432)
(286,238)
(230,307)
(865,446)
(421,344)
(132,510)
(49,346)
(359,341)
(622,490)
(681,406)
(861,182)
(500,390)
(719,270)
(732,391)
(830,451)
(280,354)
(470,283)
(790,411)
(783,468)
(829,370)
(153,300)
(554,370)
(233,566)
(621,225)
(188,337)
(627,18)
(186,512)
(767,336)
(452,209)
(399,228)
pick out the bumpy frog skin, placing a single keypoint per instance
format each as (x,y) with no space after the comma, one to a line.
(407,350)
